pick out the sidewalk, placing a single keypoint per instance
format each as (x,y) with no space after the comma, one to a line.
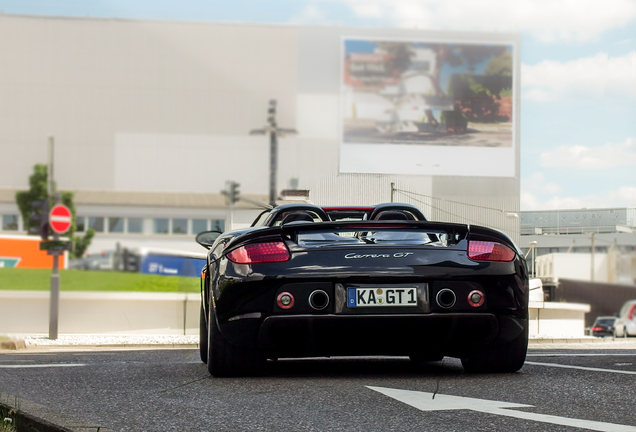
(67,342)
(72,342)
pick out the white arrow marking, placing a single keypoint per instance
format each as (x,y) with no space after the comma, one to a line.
(438,402)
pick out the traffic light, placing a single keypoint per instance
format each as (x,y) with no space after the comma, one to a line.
(271,113)
(39,221)
(234,192)
(131,261)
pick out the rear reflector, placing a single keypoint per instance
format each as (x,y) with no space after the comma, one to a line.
(285,300)
(476,298)
(489,251)
(259,253)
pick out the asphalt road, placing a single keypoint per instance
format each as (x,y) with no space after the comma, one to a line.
(171,390)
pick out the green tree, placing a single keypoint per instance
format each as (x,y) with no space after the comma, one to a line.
(500,65)
(38,191)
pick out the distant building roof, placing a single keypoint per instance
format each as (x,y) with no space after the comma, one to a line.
(577,221)
(147,199)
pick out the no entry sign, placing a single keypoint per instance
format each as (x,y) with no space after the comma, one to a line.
(60,218)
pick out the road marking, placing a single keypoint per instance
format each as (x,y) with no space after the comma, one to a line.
(439,402)
(42,365)
(581,368)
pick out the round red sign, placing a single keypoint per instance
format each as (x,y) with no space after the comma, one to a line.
(60,218)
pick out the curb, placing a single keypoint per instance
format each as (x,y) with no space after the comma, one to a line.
(20,345)
(35,348)
(30,416)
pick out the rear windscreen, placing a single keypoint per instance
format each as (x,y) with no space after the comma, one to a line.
(383,237)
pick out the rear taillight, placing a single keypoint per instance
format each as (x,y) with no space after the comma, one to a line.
(630,316)
(489,251)
(597,328)
(260,253)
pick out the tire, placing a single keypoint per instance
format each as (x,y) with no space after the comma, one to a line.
(203,337)
(227,360)
(505,357)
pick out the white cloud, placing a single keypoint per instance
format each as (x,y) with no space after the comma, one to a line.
(598,77)
(536,183)
(548,20)
(624,196)
(589,158)
(309,15)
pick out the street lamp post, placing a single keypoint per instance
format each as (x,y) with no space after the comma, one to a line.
(533,265)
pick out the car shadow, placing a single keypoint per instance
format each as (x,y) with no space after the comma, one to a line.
(359,367)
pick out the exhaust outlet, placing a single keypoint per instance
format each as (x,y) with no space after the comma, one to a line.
(445,298)
(318,299)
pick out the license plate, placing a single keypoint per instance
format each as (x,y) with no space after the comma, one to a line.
(372,297)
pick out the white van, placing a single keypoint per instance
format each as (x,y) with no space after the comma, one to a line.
(625,325)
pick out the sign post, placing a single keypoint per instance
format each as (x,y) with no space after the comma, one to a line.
(60,220)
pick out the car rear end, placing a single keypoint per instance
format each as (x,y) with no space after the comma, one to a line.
(603,326)
(420,289)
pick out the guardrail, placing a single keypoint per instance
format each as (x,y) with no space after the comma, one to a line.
(101,312)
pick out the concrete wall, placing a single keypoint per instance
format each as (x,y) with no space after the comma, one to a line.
(95,312)
(178,313)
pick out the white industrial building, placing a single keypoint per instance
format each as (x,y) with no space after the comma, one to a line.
(151,118)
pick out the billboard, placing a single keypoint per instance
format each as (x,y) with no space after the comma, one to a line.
(428,107)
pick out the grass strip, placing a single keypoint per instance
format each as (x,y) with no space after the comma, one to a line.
(90,280)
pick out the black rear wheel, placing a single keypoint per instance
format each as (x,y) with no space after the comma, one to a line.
(227,360)
(203,337)
(505,357)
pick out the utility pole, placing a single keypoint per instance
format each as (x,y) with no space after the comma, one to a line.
(592,257)
(274,132)
(392,191)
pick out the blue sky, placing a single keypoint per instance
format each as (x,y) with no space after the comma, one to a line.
(578,80)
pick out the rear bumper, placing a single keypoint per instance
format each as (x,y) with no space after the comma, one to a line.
(404,334)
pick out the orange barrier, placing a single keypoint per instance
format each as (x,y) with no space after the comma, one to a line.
(24,252)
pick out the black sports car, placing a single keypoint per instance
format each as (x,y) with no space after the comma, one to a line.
(310,281)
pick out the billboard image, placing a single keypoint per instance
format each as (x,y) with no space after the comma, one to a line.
(408,107)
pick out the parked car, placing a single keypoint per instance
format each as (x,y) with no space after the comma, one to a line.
(603,326)
(625,325)
(310,281)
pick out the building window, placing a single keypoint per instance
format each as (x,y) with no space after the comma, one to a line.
(161,226)
(218,225)
(9,222)
(96,223)
(179,226)
(199,225)
(80,224)
(135,225)
(115,225)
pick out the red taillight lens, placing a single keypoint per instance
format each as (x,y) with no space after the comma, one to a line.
(597,328)
(489,251)
(631,312)
(259,253)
